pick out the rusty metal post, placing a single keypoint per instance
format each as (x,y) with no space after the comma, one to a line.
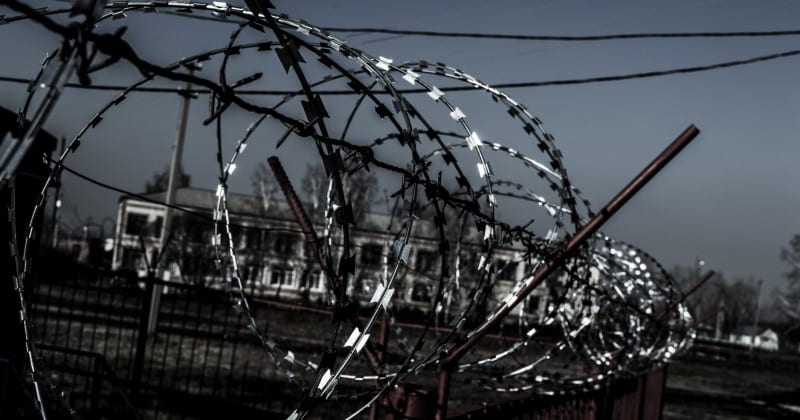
(653,397)
(570,247)
(308,230)
(410,402)
(686,294)
(297,209)
(443,392)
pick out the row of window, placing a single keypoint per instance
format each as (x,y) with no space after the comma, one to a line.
(282,244)
(256,274)
(291,278)
(281,276)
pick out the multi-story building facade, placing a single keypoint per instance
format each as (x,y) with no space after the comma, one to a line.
(274,260)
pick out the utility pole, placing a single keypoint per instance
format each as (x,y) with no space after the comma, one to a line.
(755,315)
(57,200)
(162,267)
(720,318)
(697,264)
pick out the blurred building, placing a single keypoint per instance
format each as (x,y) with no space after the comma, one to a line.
(765,339)
(274,260)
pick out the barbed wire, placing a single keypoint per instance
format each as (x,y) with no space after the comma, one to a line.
(602,302)
(603,37)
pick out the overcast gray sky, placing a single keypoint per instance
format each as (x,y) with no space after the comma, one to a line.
(730,198)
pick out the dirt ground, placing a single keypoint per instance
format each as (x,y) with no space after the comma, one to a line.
(751,386)
(203,349)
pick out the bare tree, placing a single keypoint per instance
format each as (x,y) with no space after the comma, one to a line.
(158,182)
(360,188)
(708,298)
(740,302)
(264,187)
(790,298)
(736,297)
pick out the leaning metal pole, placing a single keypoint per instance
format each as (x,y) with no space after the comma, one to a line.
(575,242)
(172,187)
(310,234)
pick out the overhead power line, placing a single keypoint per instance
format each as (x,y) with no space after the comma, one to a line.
(514,85)
(198,214)
(609,37)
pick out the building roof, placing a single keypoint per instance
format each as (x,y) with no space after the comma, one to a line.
(203,199)
(245,204)
(750,331)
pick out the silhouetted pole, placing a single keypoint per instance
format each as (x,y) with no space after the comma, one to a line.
(172,186)
(720,318)
(311,235)
(57,200)
(544,270)
(755,315)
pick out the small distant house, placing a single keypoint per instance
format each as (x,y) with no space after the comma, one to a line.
(765,338)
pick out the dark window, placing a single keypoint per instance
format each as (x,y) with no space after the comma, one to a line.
(421,292)
(313,280)
(371,255)
(532,305)
(284,244)
(136,224)
(158,225)
(507,270)
(308,250)
(252,273)
(425,261)
(282,276)
(189,265)
(198,232)
(131,259)
(254,238)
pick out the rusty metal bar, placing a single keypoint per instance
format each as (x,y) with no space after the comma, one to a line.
(299,213)
(652,404)
(566,251)
(311,235)
(686,294)
(706,317)
(443,393)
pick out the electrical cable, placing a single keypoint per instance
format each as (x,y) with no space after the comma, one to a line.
(568,38)
(201,215)
(512,85)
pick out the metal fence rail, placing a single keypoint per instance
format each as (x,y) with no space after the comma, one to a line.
(202,362)
(88,330)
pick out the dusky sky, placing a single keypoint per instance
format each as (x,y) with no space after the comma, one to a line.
(731,198)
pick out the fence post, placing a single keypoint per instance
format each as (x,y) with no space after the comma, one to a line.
(548,267)
(653,395)
(97,375)
(141,337)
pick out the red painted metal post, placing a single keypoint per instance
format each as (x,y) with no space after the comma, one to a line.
(443,393)
(686,294)
(653,396)
(308,230)
(544,270)
(297,208)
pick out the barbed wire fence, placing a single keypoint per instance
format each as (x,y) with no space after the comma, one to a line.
(617,309)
